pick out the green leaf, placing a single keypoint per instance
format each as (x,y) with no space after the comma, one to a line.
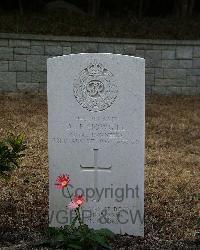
(73,246)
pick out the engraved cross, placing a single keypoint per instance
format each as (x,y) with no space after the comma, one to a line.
(95,168)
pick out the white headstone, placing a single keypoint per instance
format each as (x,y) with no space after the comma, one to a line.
(96,135)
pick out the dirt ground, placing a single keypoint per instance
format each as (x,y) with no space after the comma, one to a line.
(172,172)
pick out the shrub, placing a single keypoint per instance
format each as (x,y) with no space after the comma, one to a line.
(11,152)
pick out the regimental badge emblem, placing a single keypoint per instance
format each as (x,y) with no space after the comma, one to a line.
(95,88)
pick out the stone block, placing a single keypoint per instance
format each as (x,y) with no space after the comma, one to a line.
(3,42)
(193,72)
(153,58)
(19,43)
(37,42)
(196,51)
(170,82)
(3,66)
(173,64)
(20,57)
(153,54)
(84,47)
(129,49)
(168,54)
(40,77)
(24,77)
(119,49)
(159,73)
(149,77)
(6,53)
(184,52)
(149,70)
(106,48)
(17,66)
(22,51)
(190,91)
(196,63)
(144,46)
(37,50)
(175,73)
(159,90)
(7,81)
(53,50)
(67,50)
(36,63)
(185,64)
(28,87)
(43,89)
(140,53)
(150,62)
(148,90)
(193,80)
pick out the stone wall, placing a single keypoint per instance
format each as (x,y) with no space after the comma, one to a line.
(172,66)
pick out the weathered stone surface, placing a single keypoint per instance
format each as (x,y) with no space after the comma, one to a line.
(37,50)
(149,77)
(185,64)
(148,90)
(166,90)
(193,72)
(28,87)
(17,66)
(119,49)
(196,63)
(193,80)
(24,77)
(184,52)
(40,77)
(36,63)
(19,43)
(196,51)
(149,70)
(173,64)
(129,49)
(20,57)
(153,58)
(53,50)
(159,72)
(37,42)
(144,46)
(174,90)
(170,82)
(177,58)
(99,132)
(175,73)
(153,54)
(168,54)
(3,42)
(7,81)
(6,53)
(150,62)
(159,90)
(3,66)
(67,50)
(190,90)
(22,51)
(84,47)
(140,53)
(43,88)
(107,48)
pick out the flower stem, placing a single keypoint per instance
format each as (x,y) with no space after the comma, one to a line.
(76,210)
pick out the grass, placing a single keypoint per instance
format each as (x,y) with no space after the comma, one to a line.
(171,169)
(127,26)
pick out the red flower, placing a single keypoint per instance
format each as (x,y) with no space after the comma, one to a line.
(77,201)
(62,181)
